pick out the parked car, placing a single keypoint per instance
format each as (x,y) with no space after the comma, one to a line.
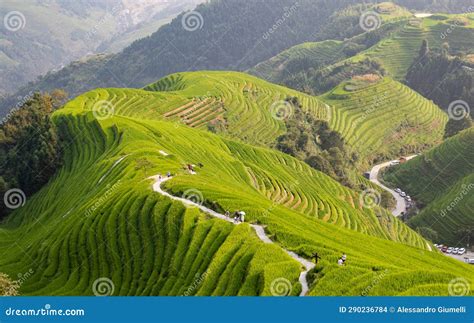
(469,260)
(450,250)
(461,251)
(394,162)
(455,250)
(403,194)
(398,190)
(444,248)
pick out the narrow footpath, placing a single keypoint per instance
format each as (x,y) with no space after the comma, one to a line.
(259,230)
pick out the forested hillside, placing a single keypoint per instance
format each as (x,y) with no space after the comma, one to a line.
(32,43)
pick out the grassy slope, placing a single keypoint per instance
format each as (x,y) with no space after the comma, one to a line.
(399,51)
(385,119)
(356,115)
(317,54)
(442,176)
(140,239)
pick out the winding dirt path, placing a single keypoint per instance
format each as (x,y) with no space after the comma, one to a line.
(259,230)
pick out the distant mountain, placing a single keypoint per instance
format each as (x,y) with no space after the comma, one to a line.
(230,35)
(32,43)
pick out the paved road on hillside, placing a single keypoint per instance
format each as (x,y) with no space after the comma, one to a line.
(259,230)
(401,203)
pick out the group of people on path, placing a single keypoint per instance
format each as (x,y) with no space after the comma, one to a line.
(341,261)
(239,216)
(168,175)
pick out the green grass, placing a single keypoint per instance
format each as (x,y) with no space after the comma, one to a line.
(442,180)
(385,119)
(310,55)
(99,218)
(400,50)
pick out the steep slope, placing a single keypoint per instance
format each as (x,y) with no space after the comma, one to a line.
(394,45)
(32,43)
(384,119)
(113,225)
(442,181)
(400,50)
(231,34)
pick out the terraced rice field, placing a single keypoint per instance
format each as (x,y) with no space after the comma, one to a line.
(385,119)
(310,55)
(400,50)
(99,217)
(197,98)
(198,112)
(444,183)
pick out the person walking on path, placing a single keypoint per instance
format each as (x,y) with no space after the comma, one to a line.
(227,214)
(316,257)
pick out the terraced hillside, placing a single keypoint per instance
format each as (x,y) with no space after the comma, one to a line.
(100,218)
(384,119)
(399,51)
(442,181)
(227,100)
(241,106)
(304,56)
